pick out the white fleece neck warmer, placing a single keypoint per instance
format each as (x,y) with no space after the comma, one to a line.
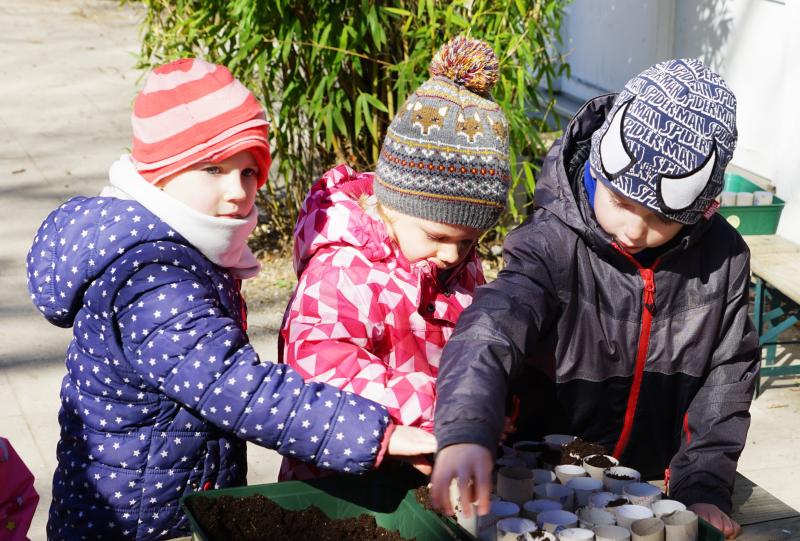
(222,240)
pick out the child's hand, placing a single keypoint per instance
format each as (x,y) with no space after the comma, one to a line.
(411,445)
(713,515)
(508,428)
(471,465)
(410,441)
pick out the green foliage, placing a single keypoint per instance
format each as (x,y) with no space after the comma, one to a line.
(332,74)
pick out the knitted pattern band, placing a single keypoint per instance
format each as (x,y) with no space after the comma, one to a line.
(667,139)
(190,111)
(445,154)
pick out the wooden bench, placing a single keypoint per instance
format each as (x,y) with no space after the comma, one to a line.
(775,269)
(763,517)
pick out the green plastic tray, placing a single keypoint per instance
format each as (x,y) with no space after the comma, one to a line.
(706,532)
(389,500)
(751,220)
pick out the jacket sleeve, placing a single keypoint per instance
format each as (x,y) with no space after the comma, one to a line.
(179,341)
(335,333)
(716,424)
(491,339)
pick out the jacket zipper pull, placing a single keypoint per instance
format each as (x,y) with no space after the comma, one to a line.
(649,289)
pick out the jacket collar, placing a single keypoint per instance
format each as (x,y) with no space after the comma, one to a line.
(222,240)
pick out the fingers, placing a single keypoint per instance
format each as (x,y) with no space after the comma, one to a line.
(440,489)
(483,486)
(732,528)
(410,441)
(716,520)
(737,529)
(424,468)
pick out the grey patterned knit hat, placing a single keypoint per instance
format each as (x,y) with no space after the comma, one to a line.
(445,154)
(667,139)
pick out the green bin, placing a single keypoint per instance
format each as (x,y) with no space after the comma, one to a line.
(389,500)
(751,220)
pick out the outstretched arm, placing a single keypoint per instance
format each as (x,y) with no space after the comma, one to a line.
(703,470)
(179,340)
(491,340)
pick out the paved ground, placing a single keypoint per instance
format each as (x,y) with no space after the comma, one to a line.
(68,82)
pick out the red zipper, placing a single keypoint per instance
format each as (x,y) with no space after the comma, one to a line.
(648,301)
(686,428)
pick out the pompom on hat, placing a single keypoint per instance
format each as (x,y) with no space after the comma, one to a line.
(445,154)
(191,111)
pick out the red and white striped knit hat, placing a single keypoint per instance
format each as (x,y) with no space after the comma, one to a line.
(190,111)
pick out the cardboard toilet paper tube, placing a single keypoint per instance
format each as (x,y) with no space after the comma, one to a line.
(648,529)
(592,517)
(498,510)
(612,533)
(576,534)
(468,523)
(532,508)
(641,493)
(542,476)
(515,484)
(665,507)
(514,529)
(681,526)
(628,514)
(565,472)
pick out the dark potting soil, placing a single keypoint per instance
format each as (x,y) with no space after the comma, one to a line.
(617,502)
(423,496)
(257,518)
(600,461)
(620,476)
(577,449)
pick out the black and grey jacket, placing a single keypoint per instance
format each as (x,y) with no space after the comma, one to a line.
(658,363)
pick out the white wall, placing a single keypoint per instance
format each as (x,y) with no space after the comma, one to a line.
(609,41)
(753,44)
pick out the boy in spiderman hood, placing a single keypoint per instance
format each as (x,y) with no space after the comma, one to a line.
(163,387)
(386,261)
(621,313)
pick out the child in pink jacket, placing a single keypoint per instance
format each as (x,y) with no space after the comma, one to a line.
(386,261)
(18,499)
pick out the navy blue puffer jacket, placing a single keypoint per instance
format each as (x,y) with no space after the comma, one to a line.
(162,386)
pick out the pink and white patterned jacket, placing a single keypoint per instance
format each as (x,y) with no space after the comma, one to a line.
(362,317)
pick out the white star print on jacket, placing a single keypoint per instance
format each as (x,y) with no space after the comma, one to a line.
(162,386)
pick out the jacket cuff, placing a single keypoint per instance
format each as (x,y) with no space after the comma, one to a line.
(703,491)
(387,435)
(466,432)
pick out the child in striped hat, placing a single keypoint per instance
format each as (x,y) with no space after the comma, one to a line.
(386,261)
(163,388)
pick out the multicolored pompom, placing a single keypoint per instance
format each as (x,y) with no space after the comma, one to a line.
(468,62)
